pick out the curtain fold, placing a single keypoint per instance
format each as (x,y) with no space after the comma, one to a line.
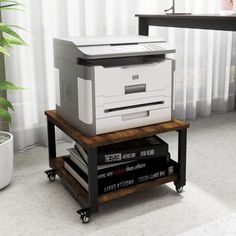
(205,60)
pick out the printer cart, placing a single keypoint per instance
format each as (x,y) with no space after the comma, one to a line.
(90,200)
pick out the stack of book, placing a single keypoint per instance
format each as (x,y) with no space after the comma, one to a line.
(123,164)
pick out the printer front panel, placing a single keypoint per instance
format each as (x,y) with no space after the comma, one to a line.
(133,96)
(155,76)
(132,88)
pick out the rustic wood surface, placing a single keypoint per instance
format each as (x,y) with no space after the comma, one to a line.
(136,188)
(114,137)
(58,164)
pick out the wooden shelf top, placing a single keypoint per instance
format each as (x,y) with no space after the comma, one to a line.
(136,188)
(114,137)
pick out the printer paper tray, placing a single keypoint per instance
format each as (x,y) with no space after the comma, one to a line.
(150,95)
(134,106)
(132,120)
(129,107)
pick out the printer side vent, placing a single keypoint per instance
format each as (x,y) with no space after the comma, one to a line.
(85,100)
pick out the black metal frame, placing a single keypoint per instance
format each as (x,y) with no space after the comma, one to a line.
(92,179)
(51,140)
(92,168)
(211,22)
(182,150)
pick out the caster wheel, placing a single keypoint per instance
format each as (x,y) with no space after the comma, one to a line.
(85,219)
(51,174)
(84,215)
(179,189)
(52,178)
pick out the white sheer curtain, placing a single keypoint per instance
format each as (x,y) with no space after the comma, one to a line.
(205,64)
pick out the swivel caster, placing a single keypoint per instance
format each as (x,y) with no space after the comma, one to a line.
(179,189)
(84,215)
(51,175)
(52,178)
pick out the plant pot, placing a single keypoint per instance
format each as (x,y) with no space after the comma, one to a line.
(6,160)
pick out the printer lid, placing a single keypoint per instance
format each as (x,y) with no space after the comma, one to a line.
(111,40)
(102,47)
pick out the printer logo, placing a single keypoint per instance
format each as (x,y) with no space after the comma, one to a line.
(134,77)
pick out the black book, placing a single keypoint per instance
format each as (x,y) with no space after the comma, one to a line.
(137,178)
(139,175)
(142,148)
(115,169)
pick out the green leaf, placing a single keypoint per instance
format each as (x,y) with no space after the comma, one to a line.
(17,26)
(4,102)
(12,8)
(15,41)
(7,29)
(4,51)
(11,2)
(8,6)
(5,85)
(10,41)
(4,42)
(5,115)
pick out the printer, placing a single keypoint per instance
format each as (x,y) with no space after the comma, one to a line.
(111,83)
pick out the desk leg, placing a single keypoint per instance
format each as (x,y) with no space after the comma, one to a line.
(51,140)
(92,180)
(182,158)
(143,26)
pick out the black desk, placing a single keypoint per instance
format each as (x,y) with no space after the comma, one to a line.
(214,22)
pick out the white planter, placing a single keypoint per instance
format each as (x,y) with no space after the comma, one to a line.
(6,160)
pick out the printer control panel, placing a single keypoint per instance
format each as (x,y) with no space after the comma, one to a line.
(139,47)
(126,49)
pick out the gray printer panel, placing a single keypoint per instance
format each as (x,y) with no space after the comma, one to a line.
(70,101)
(70,49)
(126,50)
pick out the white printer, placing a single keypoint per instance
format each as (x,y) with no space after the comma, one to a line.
(112,83)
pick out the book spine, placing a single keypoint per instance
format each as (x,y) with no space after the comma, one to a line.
(78,163)
(122,181)
(138,178)
(82,152)
(130,155)
(82,182)
(134,166)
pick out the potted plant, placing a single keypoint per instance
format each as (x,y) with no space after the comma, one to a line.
(8,37)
